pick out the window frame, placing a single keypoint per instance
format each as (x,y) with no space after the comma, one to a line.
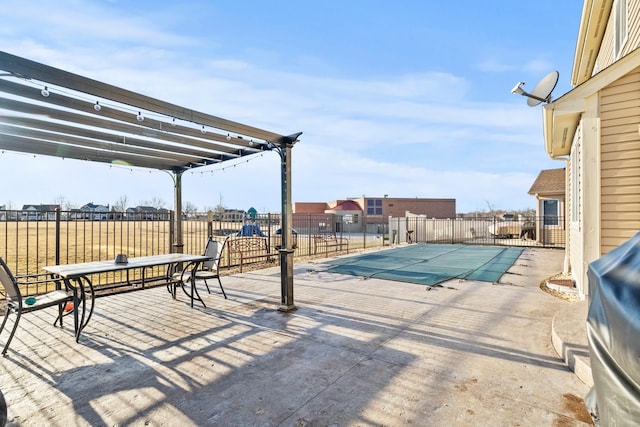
(619,26)
(550,219)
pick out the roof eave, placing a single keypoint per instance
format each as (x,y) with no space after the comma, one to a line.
(593,23)
(561,117)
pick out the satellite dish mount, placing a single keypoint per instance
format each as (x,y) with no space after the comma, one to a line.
(542,91)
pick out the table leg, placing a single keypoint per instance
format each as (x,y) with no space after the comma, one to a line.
(193,294)
(194,290)
(81,320)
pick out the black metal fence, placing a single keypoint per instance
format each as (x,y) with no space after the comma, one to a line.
(29,242)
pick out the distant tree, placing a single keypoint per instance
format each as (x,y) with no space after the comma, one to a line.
(155,202)
(218,211)
(190,209)
(491,207)
(518,213)
(64,204)
(121,204)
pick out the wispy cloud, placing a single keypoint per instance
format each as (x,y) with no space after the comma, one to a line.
(405,133)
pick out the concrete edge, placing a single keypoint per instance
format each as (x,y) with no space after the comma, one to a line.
(577,363)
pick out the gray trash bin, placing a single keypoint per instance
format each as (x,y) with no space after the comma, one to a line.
(613,331)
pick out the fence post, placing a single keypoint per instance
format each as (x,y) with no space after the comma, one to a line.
(58,214)
(172,231)
(309,234)
(364,233)
(453,231)
(495,229)
(209,223)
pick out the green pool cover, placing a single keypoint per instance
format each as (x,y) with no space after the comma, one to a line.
(430,264)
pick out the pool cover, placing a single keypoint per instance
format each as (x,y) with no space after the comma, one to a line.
(430,264)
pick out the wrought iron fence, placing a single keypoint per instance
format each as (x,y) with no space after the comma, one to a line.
(30,241)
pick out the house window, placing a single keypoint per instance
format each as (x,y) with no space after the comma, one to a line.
(550,210)
(355,218)
(619,26)
(379,207)
(374,207)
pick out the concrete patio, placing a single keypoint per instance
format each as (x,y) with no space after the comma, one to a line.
(356,353)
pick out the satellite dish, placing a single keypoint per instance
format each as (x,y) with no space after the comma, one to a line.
(542,91)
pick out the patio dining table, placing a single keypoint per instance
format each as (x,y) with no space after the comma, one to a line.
(79,276)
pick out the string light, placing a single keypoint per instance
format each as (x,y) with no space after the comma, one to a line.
(97,106)
(139,117)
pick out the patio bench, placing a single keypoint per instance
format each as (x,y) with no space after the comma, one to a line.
(249,248)
(329,240)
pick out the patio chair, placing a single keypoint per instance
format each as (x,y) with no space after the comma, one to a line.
(15,303)
(209,269)
(3,410)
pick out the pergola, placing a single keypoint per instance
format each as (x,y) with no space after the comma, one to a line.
(51,112)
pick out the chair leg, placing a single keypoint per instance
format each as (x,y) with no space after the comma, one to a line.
(172,287)
(13,331)
(3,410)
(61,313)
(4,322)
(221,288)
(207,285)
(6,316)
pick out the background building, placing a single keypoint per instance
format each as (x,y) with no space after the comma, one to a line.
(359,212)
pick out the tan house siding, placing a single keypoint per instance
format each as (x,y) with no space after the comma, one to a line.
(605,55)
(620,161)
(633,27)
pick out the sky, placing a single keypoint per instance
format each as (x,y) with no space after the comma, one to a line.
(406,99)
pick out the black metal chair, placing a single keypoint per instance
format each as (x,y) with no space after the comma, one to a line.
(19,305)
(3,410)
(209,269)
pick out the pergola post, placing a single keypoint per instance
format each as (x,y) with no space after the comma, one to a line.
(178,245)
(284,147)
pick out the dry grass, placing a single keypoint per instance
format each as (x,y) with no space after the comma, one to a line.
(29,245)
